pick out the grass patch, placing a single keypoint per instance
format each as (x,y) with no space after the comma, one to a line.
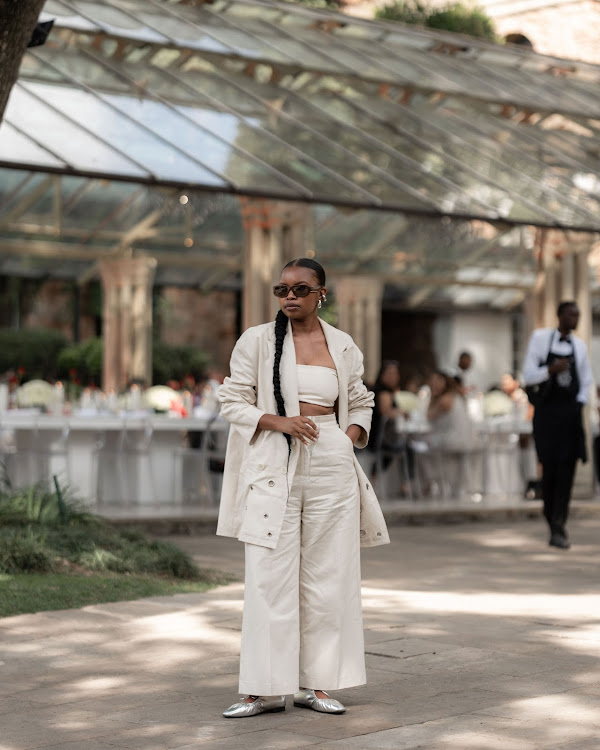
(56,555)
(38,592)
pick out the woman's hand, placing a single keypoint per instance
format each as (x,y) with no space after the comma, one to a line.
(354,431)
(302,428)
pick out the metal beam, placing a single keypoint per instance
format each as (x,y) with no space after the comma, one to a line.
(27,201)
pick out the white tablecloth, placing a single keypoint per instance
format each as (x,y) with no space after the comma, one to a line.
(133,458)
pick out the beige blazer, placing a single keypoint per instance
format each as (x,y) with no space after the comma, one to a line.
(260,457)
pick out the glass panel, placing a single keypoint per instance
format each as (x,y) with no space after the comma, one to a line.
(237,40)
(18,149)
(59,67)
(159,158)
(211,151)
(68,141)
(66,17)
(486,158)
(324,150)
(285,159)
(115,21)
(546,185)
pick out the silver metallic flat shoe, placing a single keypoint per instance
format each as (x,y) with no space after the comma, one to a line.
(260,705)
(308,699)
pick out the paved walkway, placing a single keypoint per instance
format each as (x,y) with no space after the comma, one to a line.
(479,636)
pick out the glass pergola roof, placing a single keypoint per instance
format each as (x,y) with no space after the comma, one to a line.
(423,152)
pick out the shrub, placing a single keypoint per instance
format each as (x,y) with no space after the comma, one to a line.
(23,550)
(40,531)
(32,350)
(82,361)
(459,18)
(175,362)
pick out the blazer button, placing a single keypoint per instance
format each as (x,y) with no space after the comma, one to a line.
(251,486)
(367,486)
(379,533)
(267,515)
(363,532)
(269,533)
(271,483)
(261,466)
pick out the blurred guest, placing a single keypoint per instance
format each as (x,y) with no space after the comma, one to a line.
(464,373)
(448,413)
(452,433)
(386,385)
(510,385)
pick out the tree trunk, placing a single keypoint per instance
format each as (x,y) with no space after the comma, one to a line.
(17,22)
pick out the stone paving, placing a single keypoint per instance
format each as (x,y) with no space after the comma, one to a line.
(479,637)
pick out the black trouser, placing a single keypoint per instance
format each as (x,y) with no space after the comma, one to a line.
(557,482)
(557,432)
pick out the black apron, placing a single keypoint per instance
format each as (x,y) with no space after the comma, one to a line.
(557,425)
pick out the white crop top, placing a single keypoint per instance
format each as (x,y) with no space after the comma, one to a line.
(317,385)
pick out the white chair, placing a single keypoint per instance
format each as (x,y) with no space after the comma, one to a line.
(199,465)
(392,463)
(125,467)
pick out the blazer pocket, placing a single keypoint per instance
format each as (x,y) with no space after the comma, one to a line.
(264,508)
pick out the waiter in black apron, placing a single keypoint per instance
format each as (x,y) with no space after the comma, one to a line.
(557,364)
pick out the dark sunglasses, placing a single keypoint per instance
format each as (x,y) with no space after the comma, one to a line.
(299,290)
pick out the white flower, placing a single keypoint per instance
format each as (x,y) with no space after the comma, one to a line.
(35,393)
(406,401)
(161,398)
(497,404)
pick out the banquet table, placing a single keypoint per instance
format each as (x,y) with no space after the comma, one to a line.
(134,458)
(497,466)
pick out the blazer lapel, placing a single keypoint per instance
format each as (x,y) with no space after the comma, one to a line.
(337,347)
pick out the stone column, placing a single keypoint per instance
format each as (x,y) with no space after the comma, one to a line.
(359,314)
(275,233)
(127,320)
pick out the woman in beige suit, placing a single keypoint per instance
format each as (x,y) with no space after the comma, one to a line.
(294,492)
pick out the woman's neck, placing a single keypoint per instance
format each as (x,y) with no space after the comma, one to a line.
(306,326)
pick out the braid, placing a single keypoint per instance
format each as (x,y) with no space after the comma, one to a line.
(281,323)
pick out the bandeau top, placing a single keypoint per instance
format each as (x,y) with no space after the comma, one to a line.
(317,385)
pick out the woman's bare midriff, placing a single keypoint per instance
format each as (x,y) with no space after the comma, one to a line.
(313,410)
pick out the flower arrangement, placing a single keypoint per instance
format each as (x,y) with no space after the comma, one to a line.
(406,401)
(35,393)
(497,404)
(161,398)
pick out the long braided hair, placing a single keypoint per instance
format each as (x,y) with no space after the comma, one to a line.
(281,323)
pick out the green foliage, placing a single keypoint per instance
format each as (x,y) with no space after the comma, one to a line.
(459,18)
(48,591)
(175,362)
(82,361)
(36,536)
(24,551)
(406,11)
(463,20)
(34,350)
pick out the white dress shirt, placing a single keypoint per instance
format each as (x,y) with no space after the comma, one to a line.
(544,340)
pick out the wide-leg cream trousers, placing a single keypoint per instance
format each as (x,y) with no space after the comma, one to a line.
(302,624)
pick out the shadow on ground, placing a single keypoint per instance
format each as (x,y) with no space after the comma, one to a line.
(477,636)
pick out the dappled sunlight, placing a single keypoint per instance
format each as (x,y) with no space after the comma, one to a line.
(568,607)
(477,638)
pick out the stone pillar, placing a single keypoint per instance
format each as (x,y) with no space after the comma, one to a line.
(275,233)
(127,320)
(359,314)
